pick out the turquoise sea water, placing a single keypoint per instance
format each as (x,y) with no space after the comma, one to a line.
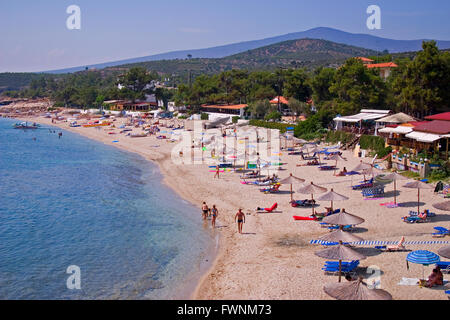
(73,201)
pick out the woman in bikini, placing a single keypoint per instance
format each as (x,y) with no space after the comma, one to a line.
(214,213)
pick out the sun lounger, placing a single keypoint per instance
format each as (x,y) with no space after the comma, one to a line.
(298,218)
(441,232)
(374,192)
(444,266)
(303,203)
(368,184)
(416,219)
(347,227)
(346,267)
(326,214)
(429,214)
(327,168)
(273,189)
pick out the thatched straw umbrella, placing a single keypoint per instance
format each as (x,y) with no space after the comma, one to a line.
(343,219)
(336,157)
(394,176)
(292,180)
(444,252)
(340,253)
(332,196)
(418,185)
(445,206)
(355,290)
(312,189)
(361,167)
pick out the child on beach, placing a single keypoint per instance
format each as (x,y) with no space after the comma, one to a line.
(240,217)
(217,172)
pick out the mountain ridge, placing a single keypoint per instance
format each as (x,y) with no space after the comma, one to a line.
(353,39)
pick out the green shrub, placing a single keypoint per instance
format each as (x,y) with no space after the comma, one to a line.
(375,144)
(235,119)
(339,136)
(274,115)
(270,125)
(204,116)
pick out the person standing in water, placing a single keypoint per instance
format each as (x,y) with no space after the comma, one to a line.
(240,217)
(214,214)
(205,210)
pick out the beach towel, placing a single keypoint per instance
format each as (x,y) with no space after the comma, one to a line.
(408,282)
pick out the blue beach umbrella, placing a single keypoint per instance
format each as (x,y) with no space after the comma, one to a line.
(423,257)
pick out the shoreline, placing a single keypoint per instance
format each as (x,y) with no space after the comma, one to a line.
(272,259)
(188,288)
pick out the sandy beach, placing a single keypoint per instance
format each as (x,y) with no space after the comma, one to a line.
(273,259)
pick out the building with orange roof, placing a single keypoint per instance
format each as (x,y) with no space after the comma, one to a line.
(282,99)
(385,68)
(231,110)
(365,60)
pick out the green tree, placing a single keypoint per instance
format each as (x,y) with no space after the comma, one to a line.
(357,87)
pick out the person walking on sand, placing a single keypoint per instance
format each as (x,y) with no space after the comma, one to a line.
(215,214)
(240,217)
(217,172)
(205,210)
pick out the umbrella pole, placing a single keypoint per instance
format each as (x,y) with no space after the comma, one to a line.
(395,192)
(291,193)
(332,206)
(418,201)
(312,203)
(340,270)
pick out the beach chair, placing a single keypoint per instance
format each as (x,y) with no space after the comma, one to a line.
(415,214)
(327,168)
(303,203)
(374,192)
(444,266)
(332,267)
(441,232)
(326,214)
(273,189)
(367,184)
(334,227)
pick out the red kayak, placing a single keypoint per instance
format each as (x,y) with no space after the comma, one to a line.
(305,218)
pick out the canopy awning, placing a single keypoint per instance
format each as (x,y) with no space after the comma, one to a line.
(398,130)
(423,137)
(363,116)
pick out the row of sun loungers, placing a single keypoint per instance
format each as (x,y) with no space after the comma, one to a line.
(368,184)
(373,192)
(346,267)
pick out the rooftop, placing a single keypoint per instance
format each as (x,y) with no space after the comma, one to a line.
(382,65)
(435,126)
(440,116)
(226,107)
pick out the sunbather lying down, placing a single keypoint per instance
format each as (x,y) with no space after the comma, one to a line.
(306,202)
(273,207)
(398,247)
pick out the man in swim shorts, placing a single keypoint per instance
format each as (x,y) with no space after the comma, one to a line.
(240,217)
(205,210)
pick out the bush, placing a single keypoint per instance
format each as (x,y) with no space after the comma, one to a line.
(339,136)
(270,125)
(204,116)
(235,119)
(375,144)
(274,116)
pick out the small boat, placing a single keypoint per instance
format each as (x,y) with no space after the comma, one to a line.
(96,124)
(24,125)
(74,124)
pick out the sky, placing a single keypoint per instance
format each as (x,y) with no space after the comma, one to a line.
(34,36)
